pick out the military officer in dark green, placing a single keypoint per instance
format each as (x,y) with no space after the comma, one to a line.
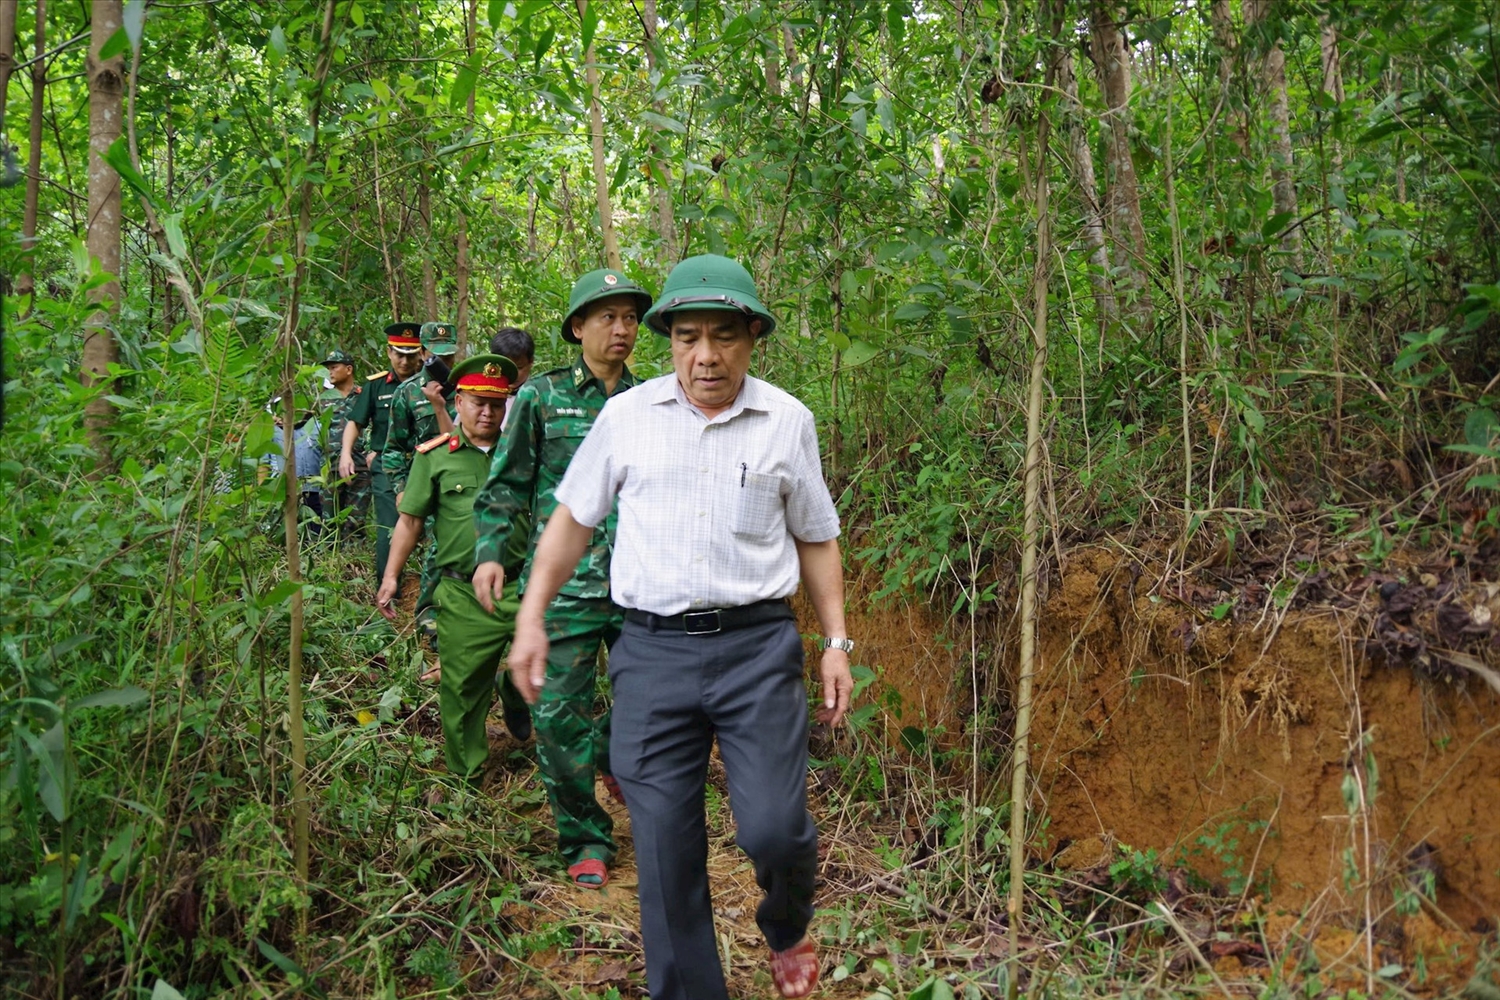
(548,421)
(442,484)
(418,413)
(346,500)
(371,409)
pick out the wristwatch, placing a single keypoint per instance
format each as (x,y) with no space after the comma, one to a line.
(847,645)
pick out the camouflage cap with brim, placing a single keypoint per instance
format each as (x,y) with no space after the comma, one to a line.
(604,283)
(712,282)
(439,338)
(338,357)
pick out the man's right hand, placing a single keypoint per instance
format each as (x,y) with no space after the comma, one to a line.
(489,584)
(528,658)
(346,466)
(385,597)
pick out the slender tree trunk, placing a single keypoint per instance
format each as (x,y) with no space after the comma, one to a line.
(8,11)
(461,265)
(429,273)
(661,169)
(773,70)
(106,113)
(1122,191)
(301,802)
(1333,73)
(391,282)
(25,284)
(601,173)
(1224,40)
(1400,153)
(1273,81)
(1030,544)
(531,207)
(1105,307)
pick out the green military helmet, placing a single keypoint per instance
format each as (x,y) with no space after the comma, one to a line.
(601,284)
(439,338)
(709,281)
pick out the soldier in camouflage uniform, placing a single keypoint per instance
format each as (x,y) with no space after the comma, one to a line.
(418,413)
(442,483)
(548,421)
(344,502)
(372,409)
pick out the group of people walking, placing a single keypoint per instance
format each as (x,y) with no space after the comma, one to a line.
(665,521)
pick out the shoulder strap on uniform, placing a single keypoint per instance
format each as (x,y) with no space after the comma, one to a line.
(371,378)
(427,446)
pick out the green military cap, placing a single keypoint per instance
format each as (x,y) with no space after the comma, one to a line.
(601,284)
(439,338)
(709,281)
(485,375)
(338,357)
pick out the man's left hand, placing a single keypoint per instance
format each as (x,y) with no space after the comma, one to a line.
(838,686)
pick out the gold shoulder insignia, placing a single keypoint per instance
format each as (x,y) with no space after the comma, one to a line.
(427,446)
(371,378)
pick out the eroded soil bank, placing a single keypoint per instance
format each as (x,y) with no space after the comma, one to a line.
(1163,728)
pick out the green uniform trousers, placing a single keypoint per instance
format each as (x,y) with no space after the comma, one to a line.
(572,744)
(385,518)
(472,641)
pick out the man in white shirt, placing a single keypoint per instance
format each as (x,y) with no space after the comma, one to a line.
(722,508)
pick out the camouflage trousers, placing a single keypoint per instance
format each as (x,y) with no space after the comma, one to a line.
(572,742)
(427,600)
(347,501)
(385,518)
(473,642)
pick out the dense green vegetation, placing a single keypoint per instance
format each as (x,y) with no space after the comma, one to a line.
(1270,289)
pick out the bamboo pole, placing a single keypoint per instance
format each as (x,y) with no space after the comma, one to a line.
(301,807)
(1030,546)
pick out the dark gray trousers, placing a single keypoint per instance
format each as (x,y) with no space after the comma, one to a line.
(673,694)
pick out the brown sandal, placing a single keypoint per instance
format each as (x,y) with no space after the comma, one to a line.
(798,964)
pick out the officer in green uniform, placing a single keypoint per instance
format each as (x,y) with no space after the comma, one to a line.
(372,409)
(548,421)
(415,418)
(442,484)
(344,501)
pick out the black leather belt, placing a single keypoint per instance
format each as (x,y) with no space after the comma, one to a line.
(511,572)
(715,620)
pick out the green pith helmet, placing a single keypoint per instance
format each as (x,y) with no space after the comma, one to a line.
(601,284)
(439,338)
(709,281)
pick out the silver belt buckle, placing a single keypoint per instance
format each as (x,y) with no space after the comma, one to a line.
(701,623)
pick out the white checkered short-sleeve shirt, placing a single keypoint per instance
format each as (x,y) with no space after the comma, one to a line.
(710,510)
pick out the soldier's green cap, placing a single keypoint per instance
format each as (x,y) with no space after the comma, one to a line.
(485,375)
(439,338)
(601,284)
(338,357)
(709,281)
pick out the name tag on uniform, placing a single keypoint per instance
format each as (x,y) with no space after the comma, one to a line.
(570,411)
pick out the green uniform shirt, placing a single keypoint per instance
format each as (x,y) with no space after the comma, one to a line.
(412,421)
(548,421)
(338,406)
(443,484)
(372,408)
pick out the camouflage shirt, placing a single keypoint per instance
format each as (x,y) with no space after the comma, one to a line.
(445,478)
(372,408)
(548,421)
(339,406)
(412,422)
